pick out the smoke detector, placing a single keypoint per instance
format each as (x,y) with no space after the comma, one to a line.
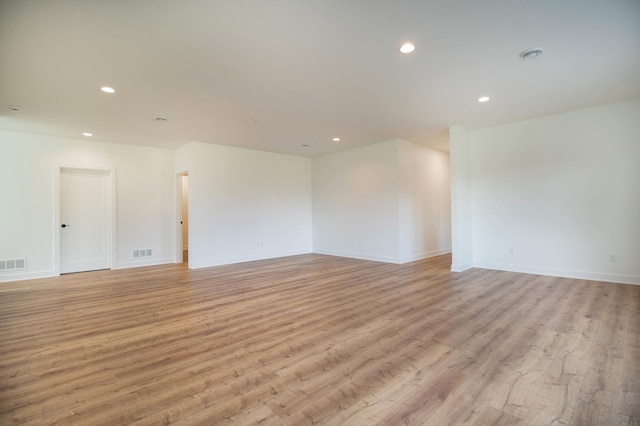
(14,108)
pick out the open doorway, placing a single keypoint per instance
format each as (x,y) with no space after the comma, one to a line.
(182,234)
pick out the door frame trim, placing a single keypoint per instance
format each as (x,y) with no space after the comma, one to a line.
(111,182)
(178,230)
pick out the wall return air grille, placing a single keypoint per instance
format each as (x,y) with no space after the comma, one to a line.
(12,264)
(142,253)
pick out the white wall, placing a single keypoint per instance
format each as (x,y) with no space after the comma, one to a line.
(355,203)
(244,204)
(559,195)
(425,202)
(28,167)
(556,195)
(461,212)
(386,202)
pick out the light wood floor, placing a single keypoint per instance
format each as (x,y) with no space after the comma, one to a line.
(318,340)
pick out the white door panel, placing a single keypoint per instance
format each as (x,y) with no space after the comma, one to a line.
(84,220)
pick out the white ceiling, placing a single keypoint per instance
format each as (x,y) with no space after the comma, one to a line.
(306,70)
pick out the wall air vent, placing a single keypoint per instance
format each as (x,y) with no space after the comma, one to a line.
(12,264)
(142,253)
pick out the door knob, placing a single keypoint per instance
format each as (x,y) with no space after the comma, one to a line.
(64,225)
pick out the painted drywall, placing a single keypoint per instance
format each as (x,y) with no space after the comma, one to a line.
(383,202)
(461,195)
(355,203)
(424,202)
(245,204)
(438,141)
(559,195)
(29,166)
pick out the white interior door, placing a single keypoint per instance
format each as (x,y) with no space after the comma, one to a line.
(85,220)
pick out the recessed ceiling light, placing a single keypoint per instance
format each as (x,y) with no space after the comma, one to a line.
(336,139)
(305,146)
(87,134)
(161,119)
(483,99)
(14,108)
(107,89)
(252,121)
(407,48)
(531,53)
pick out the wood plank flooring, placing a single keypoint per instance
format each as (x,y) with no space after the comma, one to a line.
(317,339)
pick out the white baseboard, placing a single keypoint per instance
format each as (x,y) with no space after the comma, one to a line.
(232,260)
(360,256)
(385,259)
(563,273)
(21,276)
(51,273)
(461,267)
(145,262)
(425,255)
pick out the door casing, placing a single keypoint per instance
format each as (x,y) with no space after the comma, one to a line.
(111,205)
(179,229)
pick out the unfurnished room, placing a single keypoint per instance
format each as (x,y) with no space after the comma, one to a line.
(337,212)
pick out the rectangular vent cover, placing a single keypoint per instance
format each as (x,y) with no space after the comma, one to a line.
(12,264)
(142,253)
